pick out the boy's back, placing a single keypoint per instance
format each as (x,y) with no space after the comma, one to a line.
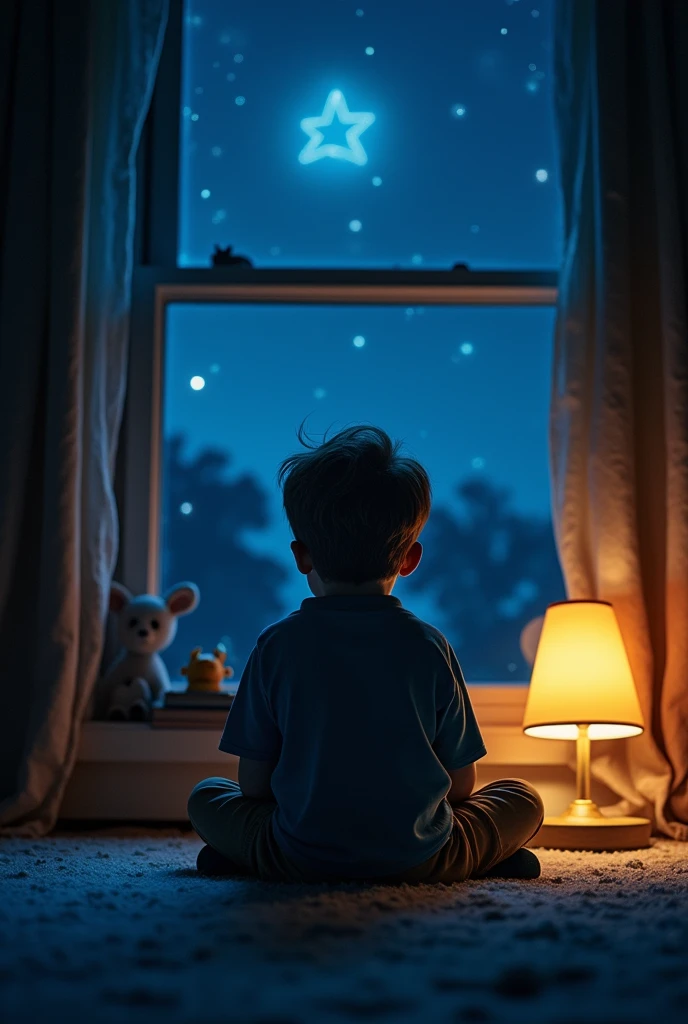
(356,738)
(363,709)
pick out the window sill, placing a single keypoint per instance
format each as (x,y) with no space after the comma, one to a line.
(499,709)
(130,771)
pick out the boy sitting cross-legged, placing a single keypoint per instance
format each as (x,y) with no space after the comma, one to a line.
(354,730)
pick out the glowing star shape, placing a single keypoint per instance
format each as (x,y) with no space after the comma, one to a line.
(335,104)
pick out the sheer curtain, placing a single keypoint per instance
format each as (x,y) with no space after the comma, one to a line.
(75,84)
(619,421)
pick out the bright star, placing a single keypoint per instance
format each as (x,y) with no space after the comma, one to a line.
(335,104)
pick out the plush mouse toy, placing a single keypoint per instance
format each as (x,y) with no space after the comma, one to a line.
(137,679)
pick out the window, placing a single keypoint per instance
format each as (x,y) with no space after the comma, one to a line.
(348,308)
(466,388)
(329,134)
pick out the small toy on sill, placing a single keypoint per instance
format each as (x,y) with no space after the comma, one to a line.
(137,680)
(206,672)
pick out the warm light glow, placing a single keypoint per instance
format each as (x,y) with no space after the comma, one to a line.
(582,676)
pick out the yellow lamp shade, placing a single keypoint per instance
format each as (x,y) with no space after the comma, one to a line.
(582,676)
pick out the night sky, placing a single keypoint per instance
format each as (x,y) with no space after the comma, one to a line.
(457,164)
(463,125)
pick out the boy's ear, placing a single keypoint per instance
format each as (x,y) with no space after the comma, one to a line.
(413,557)
(302,557)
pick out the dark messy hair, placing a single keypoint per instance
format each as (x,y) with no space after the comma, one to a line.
(355,502)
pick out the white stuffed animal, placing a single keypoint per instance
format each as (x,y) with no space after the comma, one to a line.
(138,679)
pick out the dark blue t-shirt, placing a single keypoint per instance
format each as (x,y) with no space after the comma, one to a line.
(363,708)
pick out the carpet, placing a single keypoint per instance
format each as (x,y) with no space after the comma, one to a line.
(117,926)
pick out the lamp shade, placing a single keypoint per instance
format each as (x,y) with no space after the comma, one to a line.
(582,676)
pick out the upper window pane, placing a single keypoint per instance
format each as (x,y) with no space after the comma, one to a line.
(361,133)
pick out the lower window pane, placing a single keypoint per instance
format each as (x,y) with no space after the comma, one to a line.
(466,389)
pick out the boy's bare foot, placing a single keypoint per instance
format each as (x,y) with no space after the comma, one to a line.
(210,862)
(522,864)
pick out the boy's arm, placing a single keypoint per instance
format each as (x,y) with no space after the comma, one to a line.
(462,783)
(458,742)
(254,778)
(251,732)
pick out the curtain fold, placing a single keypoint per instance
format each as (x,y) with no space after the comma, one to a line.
(619,413)
(75,86)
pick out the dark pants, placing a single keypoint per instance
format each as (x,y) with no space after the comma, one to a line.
(489,826)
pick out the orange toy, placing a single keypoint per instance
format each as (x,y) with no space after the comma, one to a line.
(205,672)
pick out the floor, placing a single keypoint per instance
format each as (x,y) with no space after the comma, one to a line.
(117,926)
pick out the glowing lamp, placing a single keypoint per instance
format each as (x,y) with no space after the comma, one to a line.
(582,689)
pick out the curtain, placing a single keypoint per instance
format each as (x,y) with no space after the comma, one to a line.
(75,85)
(619,414)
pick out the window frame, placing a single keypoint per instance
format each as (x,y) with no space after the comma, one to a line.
(158,281)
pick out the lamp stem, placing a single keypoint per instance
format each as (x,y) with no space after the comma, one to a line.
(583,806)
(583,763)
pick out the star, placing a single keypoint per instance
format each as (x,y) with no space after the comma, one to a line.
(353,151)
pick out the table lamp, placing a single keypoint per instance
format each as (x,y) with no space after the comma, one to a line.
(582,689)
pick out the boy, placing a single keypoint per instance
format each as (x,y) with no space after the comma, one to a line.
(355,734)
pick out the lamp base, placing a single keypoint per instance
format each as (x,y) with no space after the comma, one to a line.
(572,832)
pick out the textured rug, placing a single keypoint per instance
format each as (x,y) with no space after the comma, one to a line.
(117,926)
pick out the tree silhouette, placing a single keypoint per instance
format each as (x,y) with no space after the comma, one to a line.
(204,517)
(490,571)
